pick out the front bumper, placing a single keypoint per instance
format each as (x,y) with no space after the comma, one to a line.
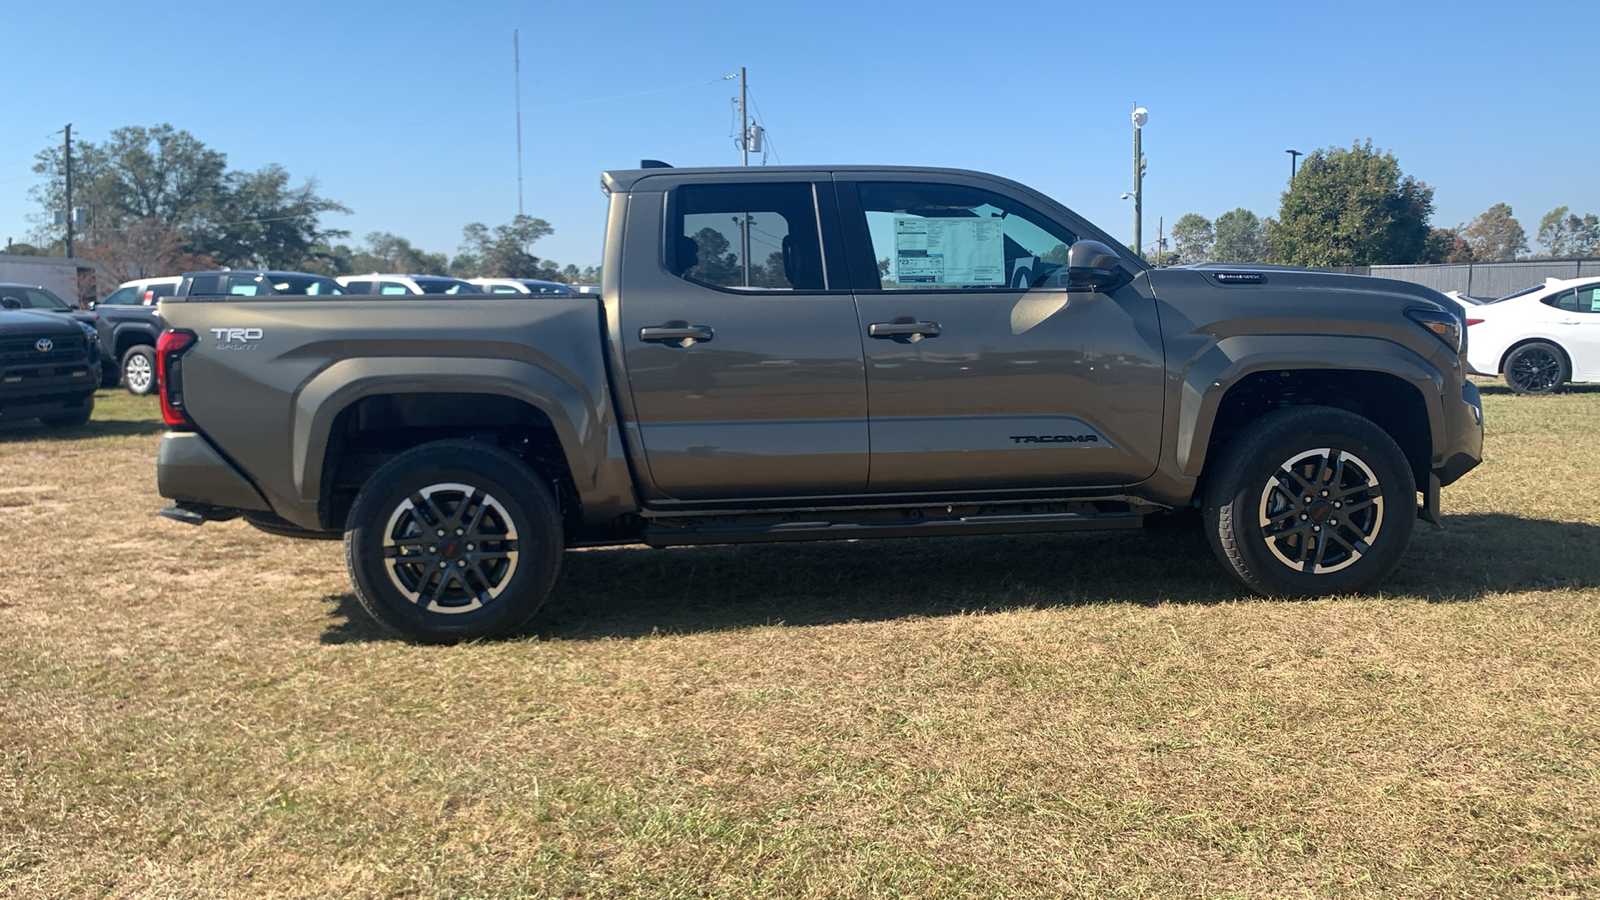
(1464,430)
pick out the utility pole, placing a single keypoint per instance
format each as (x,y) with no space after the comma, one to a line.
(68,216)
(1161,238)
(744,160)
(1140,116)
(516,65)
(1294,157)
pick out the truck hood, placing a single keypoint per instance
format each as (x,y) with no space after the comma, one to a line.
(38,322)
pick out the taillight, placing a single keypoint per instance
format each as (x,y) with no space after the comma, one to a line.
(1471,322)
(170,347)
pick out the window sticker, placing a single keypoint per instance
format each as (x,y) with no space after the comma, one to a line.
(968,251)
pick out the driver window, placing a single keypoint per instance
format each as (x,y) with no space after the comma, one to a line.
(122,297)
(1589,299)
(945,236)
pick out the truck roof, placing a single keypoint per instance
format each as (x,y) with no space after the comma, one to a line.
(624,179)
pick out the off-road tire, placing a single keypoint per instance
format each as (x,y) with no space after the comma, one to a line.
(73,419)
(485,580)
(1538,367)
(1264,534)
(139,370)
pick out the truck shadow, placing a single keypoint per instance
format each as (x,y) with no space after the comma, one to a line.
(25,431)
(632,591)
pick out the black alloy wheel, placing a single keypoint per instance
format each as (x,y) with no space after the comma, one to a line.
(1536,368)
(1311,501)
(452,541)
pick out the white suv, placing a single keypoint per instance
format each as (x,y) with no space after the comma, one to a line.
(375,283)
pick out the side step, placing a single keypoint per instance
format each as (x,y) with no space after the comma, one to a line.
(770,532)
(191,513)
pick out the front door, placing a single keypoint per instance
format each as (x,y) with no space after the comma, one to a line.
(744,369)
(983,371)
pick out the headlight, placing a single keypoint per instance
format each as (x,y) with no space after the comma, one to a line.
(1444,325)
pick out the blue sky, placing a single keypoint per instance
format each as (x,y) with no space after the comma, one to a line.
(404,110)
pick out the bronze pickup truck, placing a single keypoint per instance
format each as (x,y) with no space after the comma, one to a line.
(797,353)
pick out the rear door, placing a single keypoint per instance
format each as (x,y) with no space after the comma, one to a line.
(984,372)
(1575,316)
(741,349)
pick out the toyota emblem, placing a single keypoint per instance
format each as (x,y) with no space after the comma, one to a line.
(44,345)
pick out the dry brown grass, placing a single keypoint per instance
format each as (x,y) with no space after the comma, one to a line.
(199,712)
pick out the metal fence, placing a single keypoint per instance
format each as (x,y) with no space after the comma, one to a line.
(1486,280)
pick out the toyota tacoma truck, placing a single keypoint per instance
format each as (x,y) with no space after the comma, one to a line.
(794,354)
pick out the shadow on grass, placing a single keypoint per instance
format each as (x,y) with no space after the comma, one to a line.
(633,591)
(26,430)
(1499,388)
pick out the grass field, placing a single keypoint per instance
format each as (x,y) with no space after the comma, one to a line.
(206,711)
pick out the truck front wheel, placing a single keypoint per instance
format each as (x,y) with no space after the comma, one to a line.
(452,541)
(1310,501)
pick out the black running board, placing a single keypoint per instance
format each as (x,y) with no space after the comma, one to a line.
(768,532)
(191,513)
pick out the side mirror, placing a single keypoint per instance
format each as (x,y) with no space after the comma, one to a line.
(1093,266)
(94,304)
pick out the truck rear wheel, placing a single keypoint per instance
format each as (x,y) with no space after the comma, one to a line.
(452,541)
(1311,501)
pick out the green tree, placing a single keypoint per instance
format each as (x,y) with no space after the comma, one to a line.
(1446,245)
(385,252)
(505,251)
(1495,235)
(1352,208)
(1565,235)
(261,221)
(717,263)
(1192,237)
(1240,238)
(162,181)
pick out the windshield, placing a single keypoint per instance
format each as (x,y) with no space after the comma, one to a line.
(445,286)
(1522,293)
(31,298)
(310,285)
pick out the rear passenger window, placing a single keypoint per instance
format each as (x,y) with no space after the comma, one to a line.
(760,237)
(392,287)
(122,297)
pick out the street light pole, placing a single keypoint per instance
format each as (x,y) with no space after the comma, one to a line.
(1294,157)
(1140,116)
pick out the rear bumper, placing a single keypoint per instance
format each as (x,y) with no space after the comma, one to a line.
(190,470)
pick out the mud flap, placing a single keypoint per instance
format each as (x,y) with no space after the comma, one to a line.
(1428,511)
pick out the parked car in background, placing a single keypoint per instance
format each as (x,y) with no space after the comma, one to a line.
(1539,338)
(375,283)
(520,286)
(128,327)
(46,366)
(41,299)
(256,283)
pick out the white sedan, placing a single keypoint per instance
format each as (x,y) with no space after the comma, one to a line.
(1538,338)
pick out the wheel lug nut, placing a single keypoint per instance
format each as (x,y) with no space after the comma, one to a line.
(1304,517)
(1316,528)
(1308,499)
(461,564)
(471,547)
(443,564)
(1324,493)
(433,549)
(441,532)
(1333,521)
(460,531)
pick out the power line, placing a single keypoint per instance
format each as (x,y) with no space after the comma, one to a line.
(767,134)
(50,136)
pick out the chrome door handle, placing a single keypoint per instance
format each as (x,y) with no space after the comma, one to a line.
(908,330)
(680,333)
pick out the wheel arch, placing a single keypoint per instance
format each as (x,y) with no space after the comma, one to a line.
(1390,384)
(1500,368)
(356,414)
